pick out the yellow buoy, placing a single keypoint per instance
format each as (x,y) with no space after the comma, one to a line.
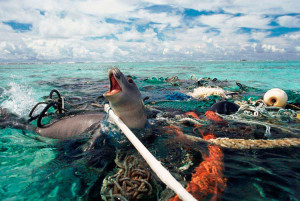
(276,97)
(298,116)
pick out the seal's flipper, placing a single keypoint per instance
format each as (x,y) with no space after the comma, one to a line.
(17,125)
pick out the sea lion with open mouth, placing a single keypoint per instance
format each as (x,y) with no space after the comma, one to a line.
(124,98)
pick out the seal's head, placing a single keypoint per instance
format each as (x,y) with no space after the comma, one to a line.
(125,99)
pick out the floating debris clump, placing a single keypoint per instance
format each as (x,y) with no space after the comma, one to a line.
(131,182)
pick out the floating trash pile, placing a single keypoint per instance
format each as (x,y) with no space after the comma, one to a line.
(243,124)
(189,135)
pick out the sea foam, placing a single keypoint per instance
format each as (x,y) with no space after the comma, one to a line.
(18,99)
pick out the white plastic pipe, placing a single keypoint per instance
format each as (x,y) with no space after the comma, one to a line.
(164,175)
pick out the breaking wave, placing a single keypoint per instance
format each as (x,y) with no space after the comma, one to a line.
(18,99)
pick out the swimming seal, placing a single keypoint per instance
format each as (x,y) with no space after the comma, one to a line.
(224,107)
(69,126)
(124,99)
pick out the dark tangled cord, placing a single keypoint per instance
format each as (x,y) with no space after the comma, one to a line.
(57,104)
(131,181)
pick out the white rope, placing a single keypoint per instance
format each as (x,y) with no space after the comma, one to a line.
(187,119)
(155,165)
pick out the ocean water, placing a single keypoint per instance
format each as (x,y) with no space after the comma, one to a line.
(35,168)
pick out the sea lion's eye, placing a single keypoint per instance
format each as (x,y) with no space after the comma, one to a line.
(130,80)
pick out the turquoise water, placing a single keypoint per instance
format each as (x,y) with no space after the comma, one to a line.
(30,168)
(257,74)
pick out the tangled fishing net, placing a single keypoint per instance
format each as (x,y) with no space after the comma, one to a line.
(207,178)
(258,113)
(239,143)
(186,105)
(259,109)
(131,182)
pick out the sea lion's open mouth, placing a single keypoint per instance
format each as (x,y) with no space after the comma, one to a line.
(114,87)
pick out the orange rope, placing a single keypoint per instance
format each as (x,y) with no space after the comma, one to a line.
(207,178)
(211,115)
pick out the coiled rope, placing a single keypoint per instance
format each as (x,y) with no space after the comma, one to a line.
(131,181)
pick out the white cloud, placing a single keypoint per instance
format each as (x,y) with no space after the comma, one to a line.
(295,36)
(105,7)
(272,48)
(259,35)
(236,6)
(263,7)
(218,20)
(289,21)
(134,35)
(231,22)
(55,27)
(66,30)
(163,18)
(250,21)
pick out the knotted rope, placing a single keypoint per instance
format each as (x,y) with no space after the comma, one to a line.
(131,181)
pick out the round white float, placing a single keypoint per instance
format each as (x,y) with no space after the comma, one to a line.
(276,97)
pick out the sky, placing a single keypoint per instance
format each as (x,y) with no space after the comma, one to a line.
(148,30)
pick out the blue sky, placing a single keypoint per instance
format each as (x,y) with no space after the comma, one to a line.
(144,30)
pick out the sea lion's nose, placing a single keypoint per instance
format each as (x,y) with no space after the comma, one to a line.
(117,73)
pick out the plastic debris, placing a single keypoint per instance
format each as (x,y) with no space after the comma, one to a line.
(202,92)
(177,96)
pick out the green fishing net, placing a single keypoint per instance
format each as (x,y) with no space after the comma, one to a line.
(199,105)
(155,80)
